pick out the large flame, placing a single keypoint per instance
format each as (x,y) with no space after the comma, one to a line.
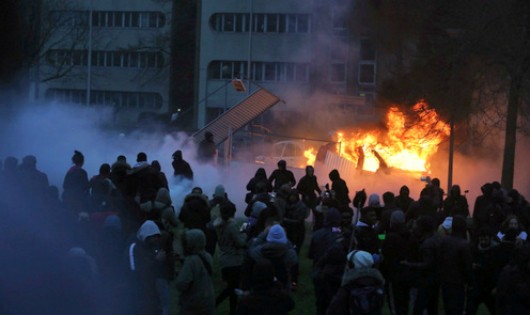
(406,144)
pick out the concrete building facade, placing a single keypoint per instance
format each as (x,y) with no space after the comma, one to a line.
(106,53)
(301,50)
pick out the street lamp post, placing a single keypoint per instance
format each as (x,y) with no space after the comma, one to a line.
(89,54)
(453,34)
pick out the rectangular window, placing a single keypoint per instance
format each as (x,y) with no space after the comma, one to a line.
(259,23)
(338,72)
(272,23)
(240,20)
(227,70)
(302,72)
(289,72)
(282,23)
(153,19)
(270,71)
(144,19)
(367,50)
(117,59)
(151,59)
(135,19)
(257,74)
(367,73)
(291,26)
(228,22)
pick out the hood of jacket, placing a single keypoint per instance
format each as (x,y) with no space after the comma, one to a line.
(149,228)
(195,241)
(163,196)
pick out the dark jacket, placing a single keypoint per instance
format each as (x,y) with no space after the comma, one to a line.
(280,177)
(307,186)
(338,185)
(194,281)
(455,260)
(513,291)
(270,301)
(195,212)
(397,247)
(356,278)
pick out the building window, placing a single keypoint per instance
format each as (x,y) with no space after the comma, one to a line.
(261,22)
(260,71)
(110,19)
(120,99)
(367,73)
(338,72)
(367,51)
(106,58)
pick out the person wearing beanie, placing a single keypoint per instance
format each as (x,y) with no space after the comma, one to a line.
(220,199)
(327,249)
(273,245)
(277,235)
(362,282)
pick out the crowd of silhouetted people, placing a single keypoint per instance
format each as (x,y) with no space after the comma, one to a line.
(114,243)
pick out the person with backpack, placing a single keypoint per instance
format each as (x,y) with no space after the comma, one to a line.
(362,288)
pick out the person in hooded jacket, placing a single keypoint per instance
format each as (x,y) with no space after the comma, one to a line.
(403,200)
(255,185)
(76,185)
(266,295)
(296,212)
(361,277)
(483,281)
(281,176)
(328,250)
(339,187)
(513,287)
(181,168)
(309,189)
(162,179)
(455,263)
(145,259)
(425,266)
(396,247)
(144,179)
(455,203)
(273,245)
(424,206)
(195,212)
(519,206)
(118,175)
(231,244)
(220,199)
(194,282)
(207,150)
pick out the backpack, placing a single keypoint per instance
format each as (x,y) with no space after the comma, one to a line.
(366,300)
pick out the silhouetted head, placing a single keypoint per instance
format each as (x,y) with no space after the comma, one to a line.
(78,158)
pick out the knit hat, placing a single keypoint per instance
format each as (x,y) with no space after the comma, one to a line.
(360,259)
(397,217)
(277,235)
(219,191)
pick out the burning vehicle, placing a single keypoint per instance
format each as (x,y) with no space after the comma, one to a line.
(404,146)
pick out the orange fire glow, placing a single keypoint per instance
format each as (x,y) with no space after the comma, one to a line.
(407,143)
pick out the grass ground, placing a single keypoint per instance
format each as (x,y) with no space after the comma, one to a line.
(303,296)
